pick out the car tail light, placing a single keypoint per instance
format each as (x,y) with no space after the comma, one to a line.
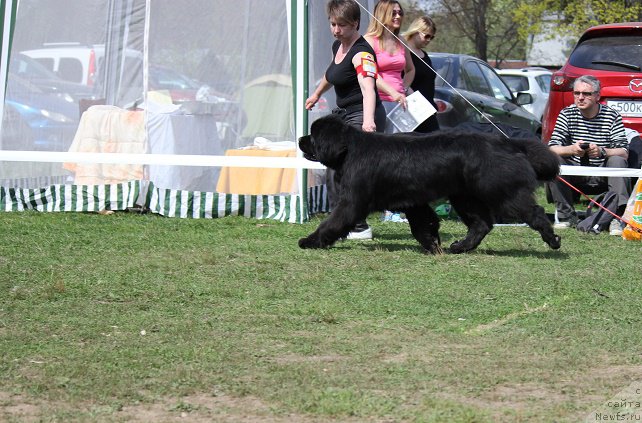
(443,106)
(562,82)
(92,68)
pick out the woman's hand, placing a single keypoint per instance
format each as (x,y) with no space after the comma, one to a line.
(401,99)
(311,101)
(369,126)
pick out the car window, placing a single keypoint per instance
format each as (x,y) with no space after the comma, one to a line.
(70,69)
(473,79)
(500,90)
(441,65)
(622,53)
(26,67)
(544,82)
(516,82)
(47,62)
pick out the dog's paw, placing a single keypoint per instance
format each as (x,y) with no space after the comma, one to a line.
(309,242)
(457,247)
(435,249)
(556,242)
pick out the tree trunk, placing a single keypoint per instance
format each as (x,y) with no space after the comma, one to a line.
(481,36)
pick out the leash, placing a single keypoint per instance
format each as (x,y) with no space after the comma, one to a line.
(620,218)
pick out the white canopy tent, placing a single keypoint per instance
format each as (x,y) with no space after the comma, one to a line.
(189,108)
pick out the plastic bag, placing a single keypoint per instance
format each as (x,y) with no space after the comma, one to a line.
(633,214)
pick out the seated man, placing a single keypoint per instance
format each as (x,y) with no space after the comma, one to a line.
(588,133)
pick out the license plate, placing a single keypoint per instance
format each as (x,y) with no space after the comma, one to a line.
(626,108)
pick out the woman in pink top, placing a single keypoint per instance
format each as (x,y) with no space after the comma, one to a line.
(393,59)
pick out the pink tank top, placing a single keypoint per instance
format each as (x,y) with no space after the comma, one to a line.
(390,67)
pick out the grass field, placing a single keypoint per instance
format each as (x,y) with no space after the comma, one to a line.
(133,317)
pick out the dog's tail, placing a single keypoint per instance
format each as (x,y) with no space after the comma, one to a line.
(542,159)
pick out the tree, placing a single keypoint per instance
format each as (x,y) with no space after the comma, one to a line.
(574,16)
(487,25)
(500,29)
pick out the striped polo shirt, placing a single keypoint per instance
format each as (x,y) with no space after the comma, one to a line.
(605,129)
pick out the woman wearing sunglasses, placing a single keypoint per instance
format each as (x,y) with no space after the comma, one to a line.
(396,70)
(419,34)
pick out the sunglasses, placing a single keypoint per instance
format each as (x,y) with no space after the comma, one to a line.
(427,37)
(583,93)
(397,13)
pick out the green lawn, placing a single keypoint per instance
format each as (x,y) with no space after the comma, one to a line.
(133,317)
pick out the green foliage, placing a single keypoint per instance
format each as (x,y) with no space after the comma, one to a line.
(581,15)
(575,16)
(507,25)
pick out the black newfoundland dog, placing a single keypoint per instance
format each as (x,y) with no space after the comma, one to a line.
(483,175)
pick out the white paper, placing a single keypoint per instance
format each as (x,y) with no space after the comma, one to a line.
(419,109)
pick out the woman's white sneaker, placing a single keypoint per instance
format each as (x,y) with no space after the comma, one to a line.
(364,235)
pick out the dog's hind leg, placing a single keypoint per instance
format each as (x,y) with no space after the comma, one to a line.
(477,217)
(534,216)
(424,225)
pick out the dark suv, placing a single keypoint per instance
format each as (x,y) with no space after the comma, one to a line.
(613,54)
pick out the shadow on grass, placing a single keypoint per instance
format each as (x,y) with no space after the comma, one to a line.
(513,252)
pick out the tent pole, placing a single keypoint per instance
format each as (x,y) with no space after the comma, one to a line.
(8,9)
(299,63)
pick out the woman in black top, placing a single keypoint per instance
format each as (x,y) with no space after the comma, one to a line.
(420,32)
(352,72)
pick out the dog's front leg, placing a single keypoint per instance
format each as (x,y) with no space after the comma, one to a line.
(311,241)
(336,226)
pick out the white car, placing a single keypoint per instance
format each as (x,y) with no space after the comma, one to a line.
(78,63)
(533,80)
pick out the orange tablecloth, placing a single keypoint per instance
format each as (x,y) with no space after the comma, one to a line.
(255,181)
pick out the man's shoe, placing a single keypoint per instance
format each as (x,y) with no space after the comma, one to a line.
(615,228)
(363,235)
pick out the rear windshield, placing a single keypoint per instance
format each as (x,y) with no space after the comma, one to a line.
(516,83)
(544,82)
(611,53)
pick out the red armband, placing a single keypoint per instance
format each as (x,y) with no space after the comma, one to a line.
(367,65)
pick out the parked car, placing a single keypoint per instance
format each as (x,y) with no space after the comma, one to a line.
(613,54)
(85,64)
(77,62)
(467,82)
(30,70)
(181,87)
(533,80)
(36,120)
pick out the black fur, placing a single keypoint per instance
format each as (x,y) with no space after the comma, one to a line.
(483,176)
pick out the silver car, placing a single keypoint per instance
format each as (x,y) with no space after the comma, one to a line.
(533,80)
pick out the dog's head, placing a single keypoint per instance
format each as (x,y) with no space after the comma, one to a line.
(327,142)
(305,144)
